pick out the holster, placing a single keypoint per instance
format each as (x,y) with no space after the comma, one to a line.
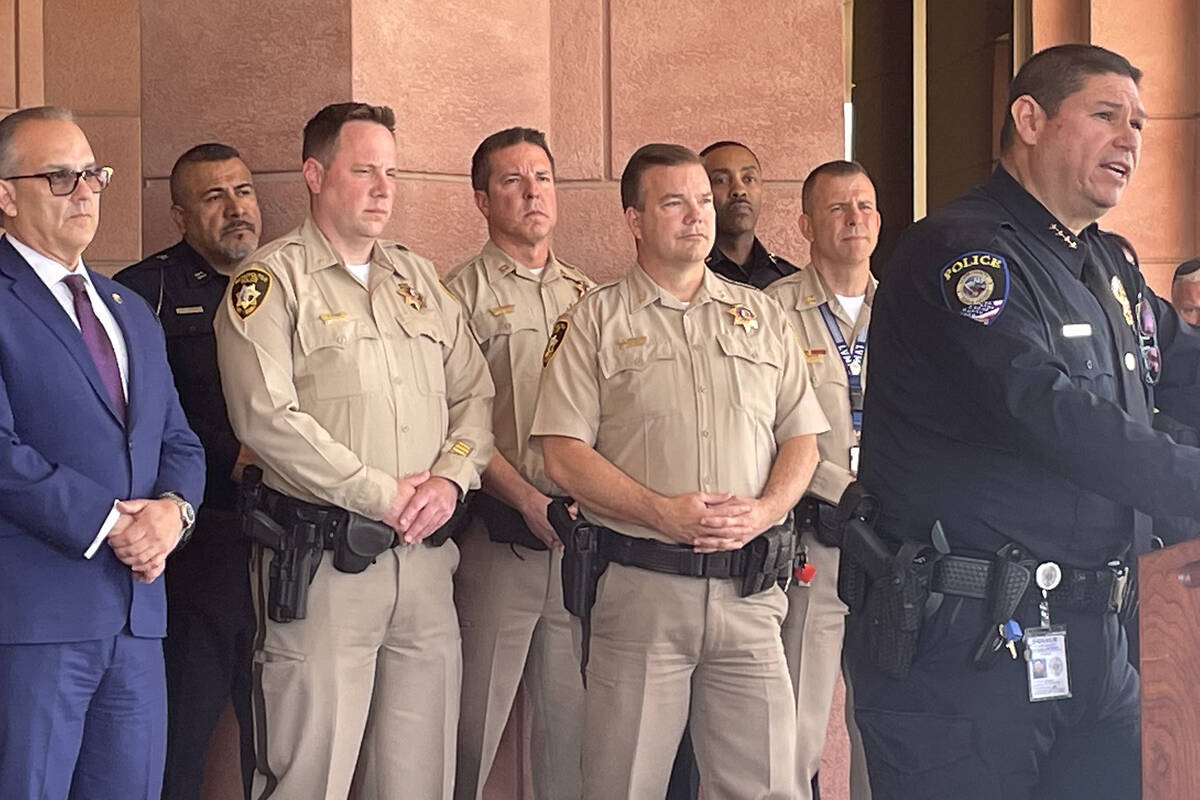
(895,607)
(1008,581)
(769,558)
(297,548)
(504,523)
(582,563)
(358,541)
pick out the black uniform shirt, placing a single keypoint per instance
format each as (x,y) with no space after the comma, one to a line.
(1004,394)
(760,270)
(185,292)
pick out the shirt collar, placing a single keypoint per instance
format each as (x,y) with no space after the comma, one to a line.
(759,258)
(499,263)
(643,290)
(319,252)
(48,270)
(1037,220)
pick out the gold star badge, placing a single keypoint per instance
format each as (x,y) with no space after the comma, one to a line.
(744,317)
(411,296)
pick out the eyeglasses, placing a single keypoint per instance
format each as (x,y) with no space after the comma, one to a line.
(1147,331)
(63,181)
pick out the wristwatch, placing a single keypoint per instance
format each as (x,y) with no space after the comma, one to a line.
(187,516)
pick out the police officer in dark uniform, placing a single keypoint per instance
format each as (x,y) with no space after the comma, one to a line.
(210,622)
(1016,351)
(737,254)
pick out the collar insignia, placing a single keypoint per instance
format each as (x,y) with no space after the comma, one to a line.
(1061,234)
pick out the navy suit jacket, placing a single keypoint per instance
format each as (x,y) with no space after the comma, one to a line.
(65,456)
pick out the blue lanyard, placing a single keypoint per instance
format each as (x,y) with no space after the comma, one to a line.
(852,360)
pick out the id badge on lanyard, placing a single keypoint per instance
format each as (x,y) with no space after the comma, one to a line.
(852,361)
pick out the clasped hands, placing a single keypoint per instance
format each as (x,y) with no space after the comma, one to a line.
(423,503)
(144,535)
(712,521)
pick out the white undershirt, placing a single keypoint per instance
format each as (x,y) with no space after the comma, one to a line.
(852,305)
(51,273)
(361,272)
(537,273)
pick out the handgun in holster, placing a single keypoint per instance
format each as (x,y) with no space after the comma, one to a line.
(888,589)
(582,563)
(297,551)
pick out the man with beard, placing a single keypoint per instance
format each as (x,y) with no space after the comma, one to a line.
(737,254)
(210,621)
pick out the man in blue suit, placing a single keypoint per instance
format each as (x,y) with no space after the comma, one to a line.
(97,468)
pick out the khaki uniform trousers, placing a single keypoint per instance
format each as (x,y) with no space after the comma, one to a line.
(514,625)
(812,638)
(373,672)
(664,644)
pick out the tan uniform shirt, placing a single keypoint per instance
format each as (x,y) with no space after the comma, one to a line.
(681,399)
(339,389)
(510,311)
(801,296)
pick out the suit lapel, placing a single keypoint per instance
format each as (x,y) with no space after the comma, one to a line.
(30,290)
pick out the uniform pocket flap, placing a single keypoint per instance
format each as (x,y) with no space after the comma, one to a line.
(755,349)
(336,333)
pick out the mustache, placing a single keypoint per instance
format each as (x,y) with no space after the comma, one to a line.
(240,225)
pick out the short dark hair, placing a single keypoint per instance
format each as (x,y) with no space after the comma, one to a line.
(1054,74)
(481,161)
(200,154)
(646,156)
(1186,269)
(830,169)
(322,131)
(729,143)
(10,123)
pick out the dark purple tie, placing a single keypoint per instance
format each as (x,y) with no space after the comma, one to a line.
(97,342)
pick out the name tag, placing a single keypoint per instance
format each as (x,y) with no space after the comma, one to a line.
(1046,663)
(502,310)
(813,356)
(190,310)
(335,317)
(1076,330)
(632,341)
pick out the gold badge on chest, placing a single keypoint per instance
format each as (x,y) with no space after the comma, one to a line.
(744,317)
(411,296)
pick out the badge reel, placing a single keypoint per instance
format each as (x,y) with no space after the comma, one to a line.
(1046,645)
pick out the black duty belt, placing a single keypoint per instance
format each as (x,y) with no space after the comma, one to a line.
(676,559)
(288,511)
(1088,590)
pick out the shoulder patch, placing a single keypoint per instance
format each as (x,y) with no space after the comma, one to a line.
(557,334)
(248,290)
(975,285)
